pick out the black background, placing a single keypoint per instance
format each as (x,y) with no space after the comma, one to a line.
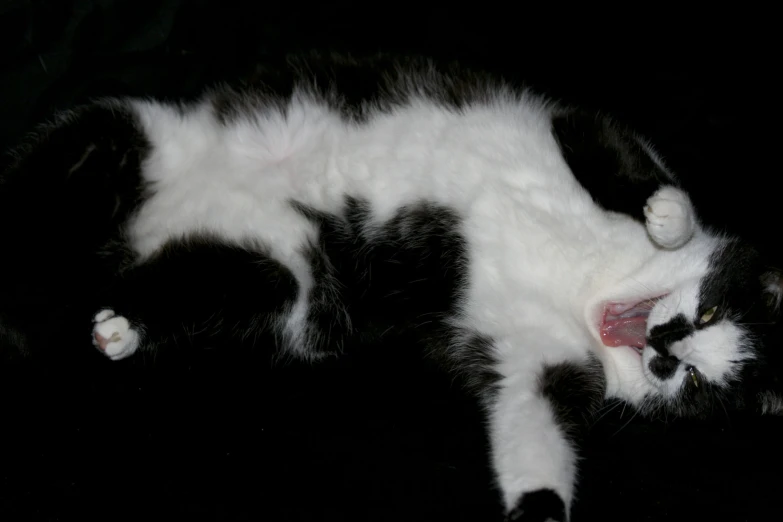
(381,435)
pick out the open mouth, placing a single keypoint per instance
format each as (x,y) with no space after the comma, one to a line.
(625,324)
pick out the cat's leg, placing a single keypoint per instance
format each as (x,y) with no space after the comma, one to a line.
(534,461)
(69,191)
(536,424)
(670,217)
(192,289)
(623,174)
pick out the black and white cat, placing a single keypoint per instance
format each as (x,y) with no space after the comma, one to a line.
(545,254)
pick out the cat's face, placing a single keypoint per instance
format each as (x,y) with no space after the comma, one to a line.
(707,343)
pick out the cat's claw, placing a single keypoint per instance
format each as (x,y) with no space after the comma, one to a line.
(113,336)
(671,220)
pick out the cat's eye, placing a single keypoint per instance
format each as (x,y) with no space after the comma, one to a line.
(694,376)
(707,316)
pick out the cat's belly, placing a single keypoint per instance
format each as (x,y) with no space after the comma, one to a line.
(536,241)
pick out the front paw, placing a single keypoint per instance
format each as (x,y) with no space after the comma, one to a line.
(671,220)
(542,505)
(113,335)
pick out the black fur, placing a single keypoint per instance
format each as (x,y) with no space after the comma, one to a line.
(734,285)
(542,505)
(664,366)
(199,290)
(747,290)
(474,357)
(354,87)
(404,276)
(370,280)
(661,337)
(595,146)
(63,199)
(575,392)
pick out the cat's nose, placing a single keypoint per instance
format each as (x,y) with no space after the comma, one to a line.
(663,336)
(659,349)
(663,366)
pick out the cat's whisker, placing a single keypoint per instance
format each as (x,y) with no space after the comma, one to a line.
(622,412)
(723,405)
(636,412)
(607,410)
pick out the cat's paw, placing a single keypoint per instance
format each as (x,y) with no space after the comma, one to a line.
(542,505)
(113,335)
(671,220)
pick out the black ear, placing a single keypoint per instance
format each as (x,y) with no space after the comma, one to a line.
(771,403)
(772,288)
(617,167)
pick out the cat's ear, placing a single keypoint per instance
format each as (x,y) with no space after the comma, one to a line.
(771,403)
(772,289)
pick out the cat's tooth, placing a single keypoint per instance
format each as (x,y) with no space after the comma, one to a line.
(619,308)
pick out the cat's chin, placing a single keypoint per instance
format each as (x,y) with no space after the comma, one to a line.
(623,324)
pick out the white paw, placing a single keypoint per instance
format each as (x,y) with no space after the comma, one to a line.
(671,220)
(113,335)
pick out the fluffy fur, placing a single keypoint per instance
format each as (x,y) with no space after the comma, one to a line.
(335,203)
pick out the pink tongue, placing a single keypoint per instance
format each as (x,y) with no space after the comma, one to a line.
(629,331)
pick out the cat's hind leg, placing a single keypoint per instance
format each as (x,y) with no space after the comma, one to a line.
(536,424)
(66,195)
(191,290)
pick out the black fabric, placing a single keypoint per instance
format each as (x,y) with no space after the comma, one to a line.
(381,435)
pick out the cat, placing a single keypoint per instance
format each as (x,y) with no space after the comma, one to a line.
(544,253)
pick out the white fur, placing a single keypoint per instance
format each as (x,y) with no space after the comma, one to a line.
(543,257)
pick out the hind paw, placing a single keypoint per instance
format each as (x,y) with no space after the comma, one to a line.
(671,220)
(113,335)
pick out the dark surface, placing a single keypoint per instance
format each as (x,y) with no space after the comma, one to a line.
(381,435)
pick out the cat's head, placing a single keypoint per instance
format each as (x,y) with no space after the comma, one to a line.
(711,342)
(707,333)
